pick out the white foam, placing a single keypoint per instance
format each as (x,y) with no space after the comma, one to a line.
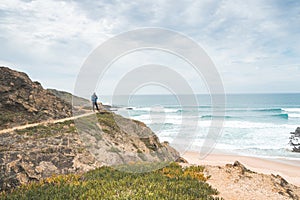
(157,109)
(106,103)
(143,109)
(171,110)
(292,115)
(178,120)
(149,119)
(246,124)
(297,110)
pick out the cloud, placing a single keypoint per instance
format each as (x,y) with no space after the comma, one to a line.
(246,40)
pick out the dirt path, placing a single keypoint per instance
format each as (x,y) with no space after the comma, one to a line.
(44,122)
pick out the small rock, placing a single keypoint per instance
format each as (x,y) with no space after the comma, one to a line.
(22,178)
(181,160)
(242,167)
(46,169)
(65,126)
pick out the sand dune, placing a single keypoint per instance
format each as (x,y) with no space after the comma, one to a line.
(262,182)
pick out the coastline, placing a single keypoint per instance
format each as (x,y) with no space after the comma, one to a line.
(288,169)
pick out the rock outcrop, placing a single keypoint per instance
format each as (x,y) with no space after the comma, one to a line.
(24,101)
(121,141)
(295,140)
(42,151)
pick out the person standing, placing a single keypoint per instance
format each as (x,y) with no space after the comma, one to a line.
(94,99)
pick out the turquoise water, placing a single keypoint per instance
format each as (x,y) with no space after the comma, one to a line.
(255,124)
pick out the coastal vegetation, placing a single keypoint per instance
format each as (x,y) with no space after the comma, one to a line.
(171,182)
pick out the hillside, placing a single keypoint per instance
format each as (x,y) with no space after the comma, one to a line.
(73,146)
(23,101)
(38,152)
(67,97)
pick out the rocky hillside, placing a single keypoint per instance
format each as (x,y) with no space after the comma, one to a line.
(24,101)
(118,141)
(44,150)
(90,141)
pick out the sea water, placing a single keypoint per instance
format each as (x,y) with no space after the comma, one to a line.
(254,124)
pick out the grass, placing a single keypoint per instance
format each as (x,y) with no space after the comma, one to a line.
(171,182)
(107,120)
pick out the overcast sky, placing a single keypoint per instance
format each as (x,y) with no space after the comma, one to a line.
(255,45)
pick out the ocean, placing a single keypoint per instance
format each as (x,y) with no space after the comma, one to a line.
(254,124)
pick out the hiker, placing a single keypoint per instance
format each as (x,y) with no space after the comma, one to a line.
(94,99)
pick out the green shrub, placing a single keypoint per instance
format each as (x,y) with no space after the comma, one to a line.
(108,183)
(107,120)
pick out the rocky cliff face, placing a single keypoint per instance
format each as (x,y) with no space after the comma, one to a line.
(24,101)
(38,152)
(66,147)
(121,141)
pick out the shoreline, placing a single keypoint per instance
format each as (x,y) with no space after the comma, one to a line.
(288,169)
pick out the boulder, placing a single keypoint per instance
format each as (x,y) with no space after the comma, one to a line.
(295,140)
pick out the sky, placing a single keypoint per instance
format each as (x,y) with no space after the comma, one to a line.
(255,45)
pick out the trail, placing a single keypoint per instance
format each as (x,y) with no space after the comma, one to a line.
(43,122)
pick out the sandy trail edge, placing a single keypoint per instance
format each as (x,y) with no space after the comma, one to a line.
(44,122)
(288,169)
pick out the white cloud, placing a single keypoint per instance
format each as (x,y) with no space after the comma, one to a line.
(51,39)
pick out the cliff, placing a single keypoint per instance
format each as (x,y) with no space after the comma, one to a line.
(23,101)
(73,145)
(56,148)
(67,97)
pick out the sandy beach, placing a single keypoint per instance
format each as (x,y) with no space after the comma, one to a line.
(235,181)
(288,169)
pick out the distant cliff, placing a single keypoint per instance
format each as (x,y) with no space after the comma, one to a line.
(24,101)
(67,97)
